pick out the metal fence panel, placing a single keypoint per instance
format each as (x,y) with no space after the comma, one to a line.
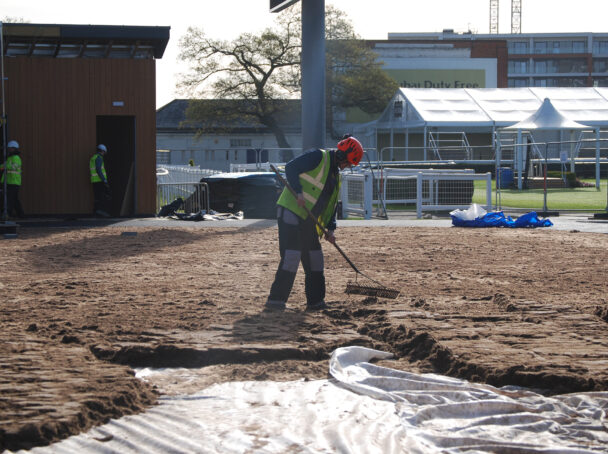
(194,195)
(427,191)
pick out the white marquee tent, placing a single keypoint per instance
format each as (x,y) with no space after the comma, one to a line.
(546,118)
(483,108)
(416,110)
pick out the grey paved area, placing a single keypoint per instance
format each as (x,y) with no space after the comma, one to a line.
(582,222)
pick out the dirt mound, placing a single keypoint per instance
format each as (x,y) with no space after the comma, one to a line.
(602,312)
(55,389)
(81,308)
(429,355)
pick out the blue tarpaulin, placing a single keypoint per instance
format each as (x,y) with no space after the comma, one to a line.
(498,219)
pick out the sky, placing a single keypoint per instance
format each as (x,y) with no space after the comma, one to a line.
(226,19)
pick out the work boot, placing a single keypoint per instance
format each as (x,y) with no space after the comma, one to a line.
(316,306)
(274,306)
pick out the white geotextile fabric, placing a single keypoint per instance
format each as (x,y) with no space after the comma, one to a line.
(442,414)
(363,409)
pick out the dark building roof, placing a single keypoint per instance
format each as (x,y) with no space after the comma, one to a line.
(172,117)
(88,41)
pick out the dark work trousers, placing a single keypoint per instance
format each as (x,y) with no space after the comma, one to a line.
(101,195)
(298,242)
(13,205)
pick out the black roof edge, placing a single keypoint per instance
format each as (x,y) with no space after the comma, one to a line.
(157,35)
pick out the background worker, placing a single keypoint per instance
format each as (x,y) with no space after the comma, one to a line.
(315,177)
(12,168)
(99,179)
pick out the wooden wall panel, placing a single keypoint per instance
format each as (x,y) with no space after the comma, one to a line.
(52,107)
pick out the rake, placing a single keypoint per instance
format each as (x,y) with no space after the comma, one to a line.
(377,290)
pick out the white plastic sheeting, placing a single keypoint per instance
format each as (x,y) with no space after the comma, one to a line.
(470,214)
(364,409)
(442,414)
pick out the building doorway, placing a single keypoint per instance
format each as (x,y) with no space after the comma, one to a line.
(117,133)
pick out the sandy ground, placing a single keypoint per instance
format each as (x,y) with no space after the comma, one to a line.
(81,308)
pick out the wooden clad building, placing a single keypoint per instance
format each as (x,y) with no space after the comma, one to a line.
(70,87)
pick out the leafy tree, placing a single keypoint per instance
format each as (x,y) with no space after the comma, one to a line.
(354,76)
(251,77)
(256,69)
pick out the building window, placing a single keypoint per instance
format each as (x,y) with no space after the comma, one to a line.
(579,47)
(600,47)
(515,83)
(600,82)
(600,65)
(540,47)
(240,142)
(563,65)
(518,47)
(572,65)
(567,47)
(560,82)
(540,66)
(518,66)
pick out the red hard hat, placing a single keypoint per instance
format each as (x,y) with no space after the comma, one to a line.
(353,151)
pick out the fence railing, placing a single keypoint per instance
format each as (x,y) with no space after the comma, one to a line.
(223,159)
(181,174)
(387,183)
(435,153)
(426,189)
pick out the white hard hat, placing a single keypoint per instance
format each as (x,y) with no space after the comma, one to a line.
(12,144)
(102,147)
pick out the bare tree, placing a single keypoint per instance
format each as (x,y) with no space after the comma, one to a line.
(251,77)
(259,70)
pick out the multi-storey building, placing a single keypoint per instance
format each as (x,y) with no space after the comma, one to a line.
(558,60)
(530,60)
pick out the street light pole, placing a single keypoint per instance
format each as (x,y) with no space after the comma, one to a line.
(313,74)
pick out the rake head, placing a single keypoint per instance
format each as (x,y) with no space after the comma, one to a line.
(378,292)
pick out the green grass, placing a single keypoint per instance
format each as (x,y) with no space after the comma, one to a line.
(557,199)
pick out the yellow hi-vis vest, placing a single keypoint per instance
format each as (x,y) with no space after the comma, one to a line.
(13,170)
(94,176)
(313,183)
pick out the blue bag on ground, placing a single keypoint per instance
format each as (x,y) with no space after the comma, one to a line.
(475,216)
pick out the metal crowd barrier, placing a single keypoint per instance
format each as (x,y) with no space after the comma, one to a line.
(194,195)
